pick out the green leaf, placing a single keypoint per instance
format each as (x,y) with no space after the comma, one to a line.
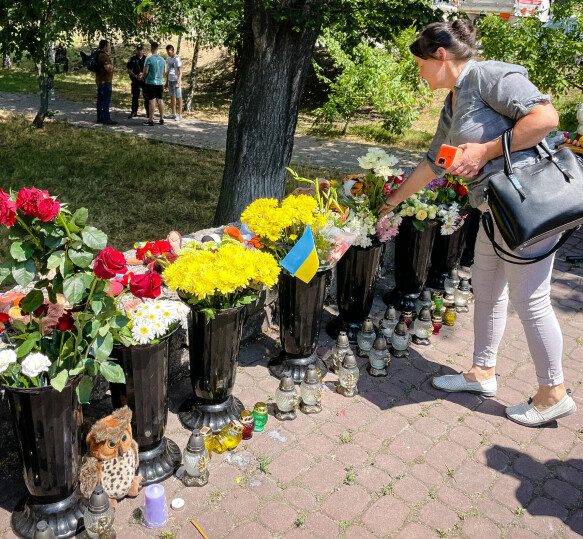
(94,238)
(32,301)
(19,326)
(5,272)
(74,289)
(419,225)
(43,283)
(96,306)
(21,251)
(103,347)
(94,328)
(112,372)
(120,321)
(80,216)
(60,381)
(84,388)
(91,367)
(25,347)
(81,259)
(55,259)
(24,272)
(103,330)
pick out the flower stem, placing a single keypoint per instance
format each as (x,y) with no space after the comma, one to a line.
(64,223)
(30,232)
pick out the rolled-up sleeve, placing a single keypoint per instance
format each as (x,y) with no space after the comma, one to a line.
(510,93)
(440,135)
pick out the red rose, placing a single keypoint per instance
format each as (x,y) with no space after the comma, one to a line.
(462,190)
(154,248)
(125,280)
(109,263)
(65,322)
(42,310)
(115,288)
(146,285)
(7,209)
(37,203)
(4,317)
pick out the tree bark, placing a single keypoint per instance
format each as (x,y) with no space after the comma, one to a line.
(46,83)
(271,73)
(7,62)
(192,75)
(178,44)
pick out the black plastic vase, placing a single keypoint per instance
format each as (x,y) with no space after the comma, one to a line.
(413,249)
(214,355)
(356,278)
(46,424)
(146,394)
(445,256)
(300,315)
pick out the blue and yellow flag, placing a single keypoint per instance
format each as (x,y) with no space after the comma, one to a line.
(302,260)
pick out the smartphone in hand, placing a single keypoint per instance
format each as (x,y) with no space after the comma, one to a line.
(447,155)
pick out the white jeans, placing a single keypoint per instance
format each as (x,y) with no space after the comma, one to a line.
(528,288)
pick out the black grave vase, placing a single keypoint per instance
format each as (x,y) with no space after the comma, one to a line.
(214,355)
(356,278)
(146,394)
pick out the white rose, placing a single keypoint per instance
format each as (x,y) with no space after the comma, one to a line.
(34,364)
(7,357)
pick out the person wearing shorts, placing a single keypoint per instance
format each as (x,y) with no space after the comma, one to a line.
(174,81)
(154,68)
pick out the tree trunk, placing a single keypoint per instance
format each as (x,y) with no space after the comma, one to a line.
(178,44)
(46,69)
(192,75)
(270,79)
(6,62)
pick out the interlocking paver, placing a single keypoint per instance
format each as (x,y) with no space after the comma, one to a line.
(480,528)
(438,516)
(385,516)
(544,516)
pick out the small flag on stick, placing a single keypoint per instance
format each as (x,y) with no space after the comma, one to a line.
(302,260)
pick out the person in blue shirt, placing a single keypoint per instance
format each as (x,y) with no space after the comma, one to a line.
(154,68)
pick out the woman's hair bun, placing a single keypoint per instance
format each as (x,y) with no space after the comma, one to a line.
(465,31)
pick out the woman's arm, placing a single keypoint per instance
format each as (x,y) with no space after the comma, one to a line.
(418,179)
(527,132)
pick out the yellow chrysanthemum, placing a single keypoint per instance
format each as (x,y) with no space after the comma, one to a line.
(265,218)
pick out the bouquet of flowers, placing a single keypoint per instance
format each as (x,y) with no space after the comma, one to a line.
(451,195)
(214,276)
(61,328)
(278,226)
(152,320)
(366,194)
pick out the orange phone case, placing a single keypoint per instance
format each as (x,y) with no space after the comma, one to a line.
(447,155)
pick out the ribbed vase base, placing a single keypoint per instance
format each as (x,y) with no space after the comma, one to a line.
(159,463)
(401,301)
(296,367)
(65,517)
(336,325)
(195,414)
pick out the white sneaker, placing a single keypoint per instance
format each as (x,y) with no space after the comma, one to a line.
(171,116)
(178,117)
(454,383)
(528,415)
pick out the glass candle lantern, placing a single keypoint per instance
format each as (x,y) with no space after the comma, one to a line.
(365,338)
(389,322)
(437,302)
(424,300)
(400,341)
(462,295)
(43,531)
(209,440)
(260,416)
(337,353)
(98,516)
(437,321)
(286,399)
(407,318)
(311,392)
(230,436)
(379,358)
(196,461)
(450,284)
(248,422)
(422,327)
(348,376)
(449,317)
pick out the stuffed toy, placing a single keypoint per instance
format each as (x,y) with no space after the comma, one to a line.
(112,459)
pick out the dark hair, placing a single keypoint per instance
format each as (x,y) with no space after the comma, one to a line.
(457,37)
(103,43)
(168,47)
(154,44)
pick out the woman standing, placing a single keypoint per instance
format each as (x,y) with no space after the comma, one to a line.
(485,99)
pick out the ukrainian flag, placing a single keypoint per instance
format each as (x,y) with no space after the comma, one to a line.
(302,261)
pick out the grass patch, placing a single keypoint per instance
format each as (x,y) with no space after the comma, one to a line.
(263,464)
(350,476)
(300,521)
(135,189)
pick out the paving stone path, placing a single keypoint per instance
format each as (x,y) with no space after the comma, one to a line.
(197,133)
(399,460)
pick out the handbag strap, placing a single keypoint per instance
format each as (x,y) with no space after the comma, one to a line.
(488,224)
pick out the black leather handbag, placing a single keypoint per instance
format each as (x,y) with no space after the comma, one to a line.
(535,202)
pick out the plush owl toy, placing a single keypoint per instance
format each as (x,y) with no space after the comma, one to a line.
(113,457)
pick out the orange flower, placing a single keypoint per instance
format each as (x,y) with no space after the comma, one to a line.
(235,233)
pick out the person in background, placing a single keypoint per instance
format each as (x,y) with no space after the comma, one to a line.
(174,81)
(135,67)
(103,79)
(154,68)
